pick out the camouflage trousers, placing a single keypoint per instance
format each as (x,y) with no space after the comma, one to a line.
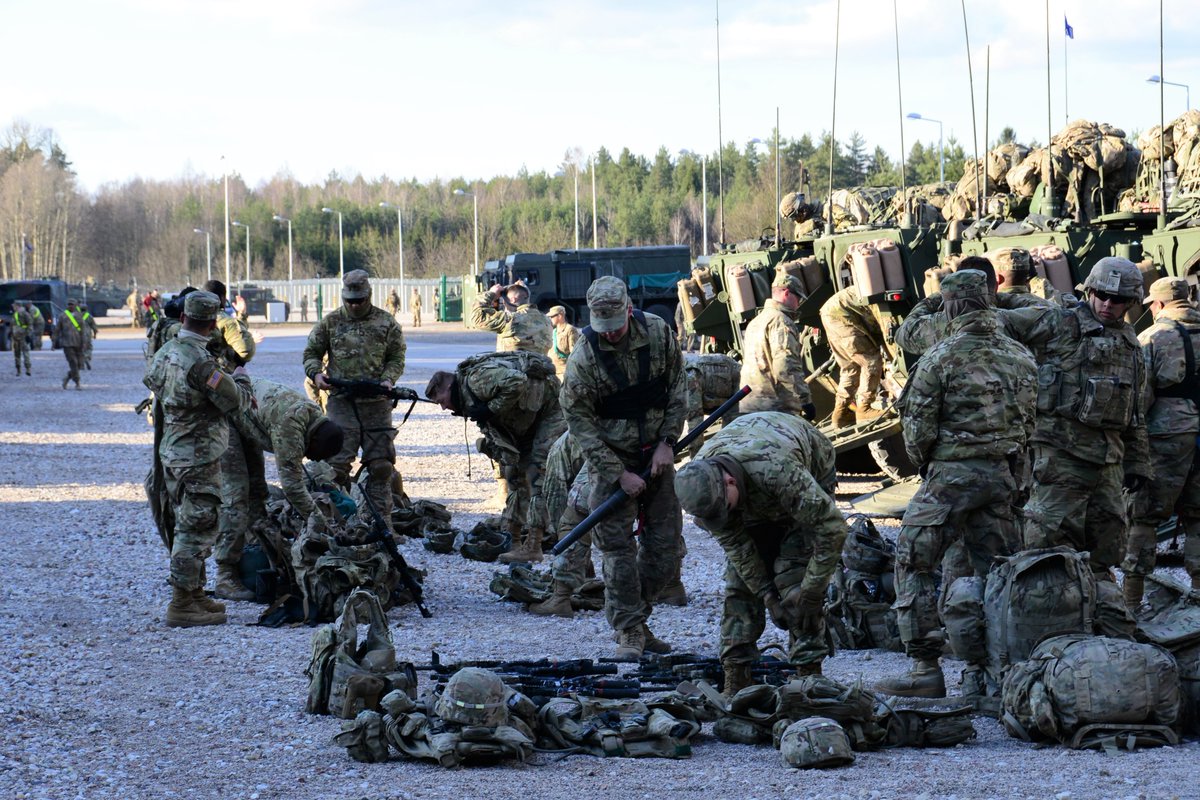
(525,504)
(74,357)
(743,615)
(967,502)
(570,568)
(195,493)
(89,345)
(20,348)
(637,569)
(860,363)
(1174,490)
(243,497)
(1076,503)
(366,425)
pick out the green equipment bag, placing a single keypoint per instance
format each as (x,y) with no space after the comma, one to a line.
(626,728)
(364,738)
(1094,691)
(920,722)
(1171,618)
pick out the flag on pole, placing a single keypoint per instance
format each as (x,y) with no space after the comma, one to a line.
(1068,29)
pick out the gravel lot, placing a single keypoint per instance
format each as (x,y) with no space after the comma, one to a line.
(104,701)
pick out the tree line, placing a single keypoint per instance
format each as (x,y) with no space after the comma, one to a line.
(146,229)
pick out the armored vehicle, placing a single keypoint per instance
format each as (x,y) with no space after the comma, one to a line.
(50,297)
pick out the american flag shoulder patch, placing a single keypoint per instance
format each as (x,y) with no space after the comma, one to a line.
(214,380)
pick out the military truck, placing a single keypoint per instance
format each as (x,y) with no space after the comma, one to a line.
(257,298)
(562,277)
(49,295)
(99,298)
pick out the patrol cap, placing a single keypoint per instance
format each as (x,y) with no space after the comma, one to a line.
(1118,276)
(963,284)
(72,302)
(608,302)
(554,310)
(201,306)
(789,281)
(356,285)
(700,487)
(1164,290)
(1010,259)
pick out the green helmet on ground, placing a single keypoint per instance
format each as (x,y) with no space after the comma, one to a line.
(474,696)
(815,742)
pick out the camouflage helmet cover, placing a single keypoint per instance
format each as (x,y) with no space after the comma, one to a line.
(815,742)
(473,696)
(1118,276)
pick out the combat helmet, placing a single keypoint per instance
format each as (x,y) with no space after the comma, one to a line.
(473,696)
(815,742)
(1118,276)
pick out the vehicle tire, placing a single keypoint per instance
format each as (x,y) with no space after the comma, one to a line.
(663,312)
(889,455)
(858,461)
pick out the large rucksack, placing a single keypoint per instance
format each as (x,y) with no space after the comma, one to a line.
(859,612)
(1170,618)
(1093,691)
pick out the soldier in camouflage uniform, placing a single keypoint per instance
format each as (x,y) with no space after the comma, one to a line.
(68,337)
(414,303)
(968,413)
(232,343)
(1090,438)
(522,328)
(1172,403)
(22,326)
(772,365)
(763,487)
(712,379)
(39,323)
(562,339)
(513,397)
(360,341)
(90,332)
(856,339)
(623,397)
(566,500)
(195,395)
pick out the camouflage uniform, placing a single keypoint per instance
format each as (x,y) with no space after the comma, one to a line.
(566,497)
(856,338)
(90,331)
(711,380)
(39,324)
(618,429)
(526,328)
(784,536)
(1172,424)
(22,325)
(68,336)
(360,344)
(563,339)
(414,303)
(926,324)
(772,364)
(1091,432)
(231,343)
(194,395)
(968,412)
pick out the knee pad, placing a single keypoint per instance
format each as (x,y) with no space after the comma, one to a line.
(379,471)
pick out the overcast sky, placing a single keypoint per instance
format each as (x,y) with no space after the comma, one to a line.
(462,88)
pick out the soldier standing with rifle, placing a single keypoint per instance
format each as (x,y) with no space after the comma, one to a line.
(623,397)
(360,341)
(763,486)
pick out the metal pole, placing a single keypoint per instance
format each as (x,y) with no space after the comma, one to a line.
(341,249)
(208,252)
(941,156)
(595,226)
(704,199)
(576,171)
(778,216)
(837,27)
(475,268)
(906,217)
(720,133)
(400,245)
(225,170)
(247,254)
(289,251)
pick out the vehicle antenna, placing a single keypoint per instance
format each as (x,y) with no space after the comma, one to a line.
(974,130)
(1051,207)
(906,221)
(1162,153)
(720,135)
(837,28)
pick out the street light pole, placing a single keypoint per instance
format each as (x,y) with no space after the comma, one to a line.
(595,225)
(279,218)
(1187,89)
(475,200)
(225,170)
(207,248)
(399,243)
(941,150)
(237,224)
(575,170)
(341,245)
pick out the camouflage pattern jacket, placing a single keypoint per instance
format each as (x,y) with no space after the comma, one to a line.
(509,395)
(613,445)
(712,379)
(563,464)
(372,347)
(972,394)
(1091,384)
(523,329)
(231,343)
(1162,347)
(195,397)
(69,330)
(849,308)
(158,334)
(787,485)
(90,328)
(562,342)
(772,365)
(926,324)
(280,421)
(23,322)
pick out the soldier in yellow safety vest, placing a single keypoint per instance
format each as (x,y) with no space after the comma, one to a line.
(22,326)
(68,336)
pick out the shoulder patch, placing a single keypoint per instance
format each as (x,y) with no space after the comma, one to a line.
(214,380)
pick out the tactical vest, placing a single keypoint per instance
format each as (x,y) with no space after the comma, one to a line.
(1096,384)
(630,400)
(1189,387)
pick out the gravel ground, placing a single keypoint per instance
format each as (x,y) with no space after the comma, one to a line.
(104,701)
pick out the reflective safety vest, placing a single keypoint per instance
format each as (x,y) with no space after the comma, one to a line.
(74,321)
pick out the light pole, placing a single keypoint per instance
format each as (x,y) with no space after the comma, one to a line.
(399,244)
(595,225)
(1187,89)
(237,224)
(228,257)
(279,218)
(207,248)
(575,170)
(341,245)
(475,200)
(941,151)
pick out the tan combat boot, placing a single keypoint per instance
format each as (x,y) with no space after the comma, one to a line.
(184,612)
(653,643)
(673,595)
(924,679)
(558,604)
(229,584)
(843,415)
(207,603)
(528,551)
(737,677)
(865,411)
(1133,588)
(630,644)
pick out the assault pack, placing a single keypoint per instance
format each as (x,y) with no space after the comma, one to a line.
(1170,618)
(859,612)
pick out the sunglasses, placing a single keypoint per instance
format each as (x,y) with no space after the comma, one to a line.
(1109,297)
(359,301)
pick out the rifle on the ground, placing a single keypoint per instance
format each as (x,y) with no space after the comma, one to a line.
(677,667)
(365,387)
(381,532)
(539,668)
(587,686)
(616,498)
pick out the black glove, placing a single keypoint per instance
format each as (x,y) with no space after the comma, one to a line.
(809,411)
(1134,482)
(777,612)
(480,413)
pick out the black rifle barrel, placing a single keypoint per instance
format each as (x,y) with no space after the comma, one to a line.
(604,509)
